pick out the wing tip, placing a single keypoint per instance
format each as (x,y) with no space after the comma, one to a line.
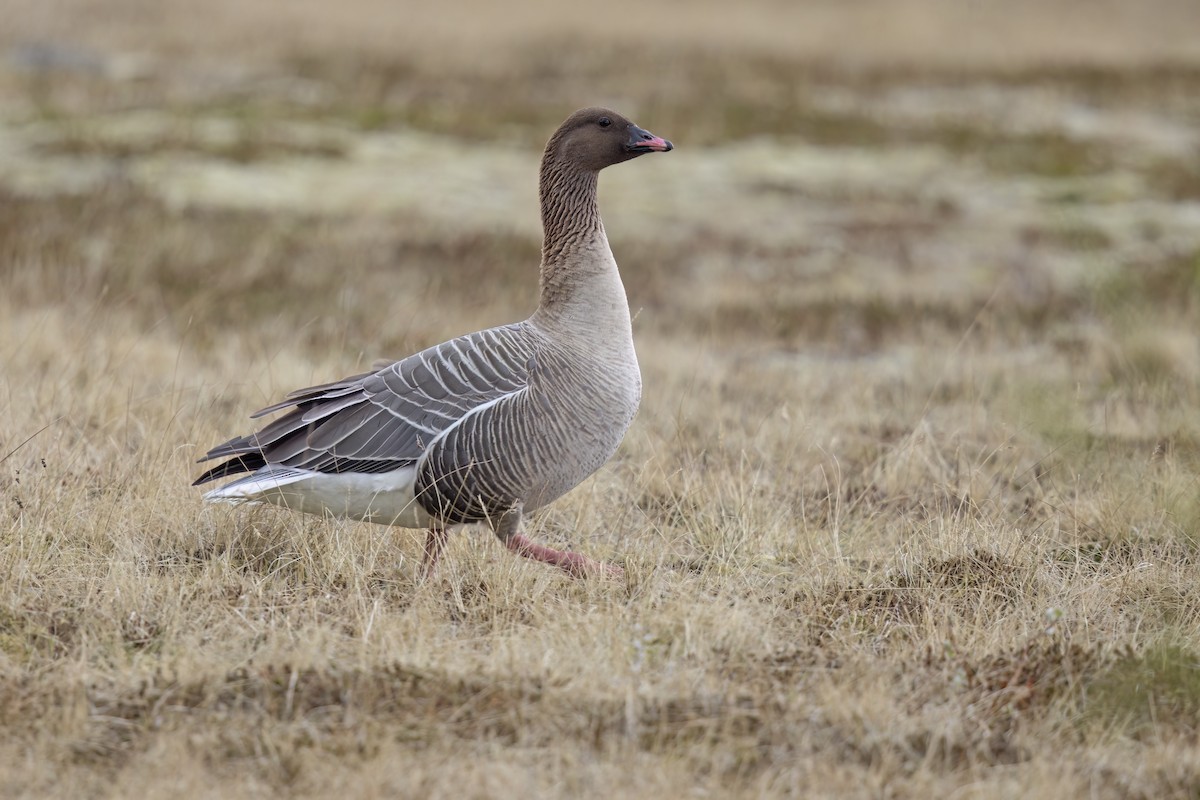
(241,462)
(251,488)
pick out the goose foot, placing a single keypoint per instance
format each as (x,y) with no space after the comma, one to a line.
(574,564)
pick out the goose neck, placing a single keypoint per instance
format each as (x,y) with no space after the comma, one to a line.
(575,250)
(570,215)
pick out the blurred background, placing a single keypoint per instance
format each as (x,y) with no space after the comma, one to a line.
(873,163)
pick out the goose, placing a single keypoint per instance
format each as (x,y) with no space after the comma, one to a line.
(489,426)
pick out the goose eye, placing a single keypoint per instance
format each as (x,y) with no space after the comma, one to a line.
(604,122)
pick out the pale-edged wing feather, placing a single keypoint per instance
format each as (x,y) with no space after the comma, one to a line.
(384,420)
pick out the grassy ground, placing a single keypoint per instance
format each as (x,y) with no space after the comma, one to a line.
(911,507)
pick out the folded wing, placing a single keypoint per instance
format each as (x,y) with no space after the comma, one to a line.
(383,420)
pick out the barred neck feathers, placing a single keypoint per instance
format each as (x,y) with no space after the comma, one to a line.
(574,246)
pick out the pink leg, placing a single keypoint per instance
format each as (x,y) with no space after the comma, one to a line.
(435,542)
(508,528)
(574,564)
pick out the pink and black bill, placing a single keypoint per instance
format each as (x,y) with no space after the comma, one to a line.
(643,141)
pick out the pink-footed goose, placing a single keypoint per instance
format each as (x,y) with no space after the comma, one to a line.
(488,426)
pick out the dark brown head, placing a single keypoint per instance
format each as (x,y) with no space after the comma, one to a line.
(594,138)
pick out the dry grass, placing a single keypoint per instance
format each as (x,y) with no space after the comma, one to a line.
(911,508)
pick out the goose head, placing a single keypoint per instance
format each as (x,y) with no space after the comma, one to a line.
(594,138)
